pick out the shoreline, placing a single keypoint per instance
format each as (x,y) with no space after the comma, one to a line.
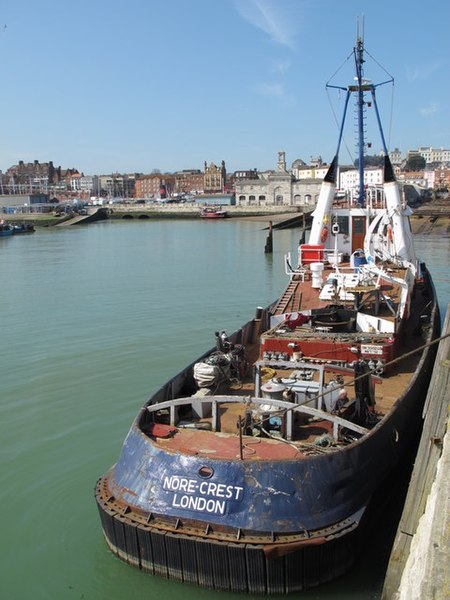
(420,224)
(121,212)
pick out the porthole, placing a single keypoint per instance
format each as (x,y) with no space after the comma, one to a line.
(205,472)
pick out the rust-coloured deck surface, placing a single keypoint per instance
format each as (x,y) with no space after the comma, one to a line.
(227,446)
(226,443)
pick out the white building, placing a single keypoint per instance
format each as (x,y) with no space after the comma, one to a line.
(89,184)
(431,155)
(395,157)
(349,178)
(278,188)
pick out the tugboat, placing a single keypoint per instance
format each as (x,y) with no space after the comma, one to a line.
(254,470)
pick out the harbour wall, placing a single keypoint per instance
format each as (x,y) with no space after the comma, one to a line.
(418,565)
(193,210)
(436,224)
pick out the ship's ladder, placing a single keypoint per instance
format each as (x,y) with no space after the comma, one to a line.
(290,298)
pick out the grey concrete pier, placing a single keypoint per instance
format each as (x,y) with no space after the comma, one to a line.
(93,214)
(419,565)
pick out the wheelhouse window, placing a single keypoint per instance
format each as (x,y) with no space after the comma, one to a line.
(343,223)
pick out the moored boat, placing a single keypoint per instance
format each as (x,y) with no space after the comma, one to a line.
(6,229)
(21,228)
(213,213)
(254,469)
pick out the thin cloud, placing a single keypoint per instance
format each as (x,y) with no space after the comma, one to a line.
(421,72)
(280,66)
(276,90)
(270,17)
(431,109)
(271,89)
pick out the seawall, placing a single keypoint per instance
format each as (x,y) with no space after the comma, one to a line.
(418,566)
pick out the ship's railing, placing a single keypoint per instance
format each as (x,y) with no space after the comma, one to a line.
(370,203)
(374,198)
(329,263)
(288,409)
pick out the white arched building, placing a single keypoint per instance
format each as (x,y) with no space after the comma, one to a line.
(277,188)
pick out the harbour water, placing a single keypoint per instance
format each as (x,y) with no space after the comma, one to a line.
(95,318)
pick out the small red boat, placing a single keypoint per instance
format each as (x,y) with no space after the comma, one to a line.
(213,213)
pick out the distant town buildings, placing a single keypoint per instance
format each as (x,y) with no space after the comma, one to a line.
(432,156)
(396,157)
(84,185)
(315,170)
(214,178)
(17,202)
(36,177)
(282,186)
(189,181)
(437,179)
(279,187)
(116,185)
(349,177)
(156,185)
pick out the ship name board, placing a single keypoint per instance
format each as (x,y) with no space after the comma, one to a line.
(201,496)
(371,349)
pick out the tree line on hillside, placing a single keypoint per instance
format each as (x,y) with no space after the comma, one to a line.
(414,162)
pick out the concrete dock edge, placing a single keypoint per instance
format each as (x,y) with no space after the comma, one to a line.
(419,561)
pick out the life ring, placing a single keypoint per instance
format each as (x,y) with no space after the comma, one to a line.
(390,235)
(324,234)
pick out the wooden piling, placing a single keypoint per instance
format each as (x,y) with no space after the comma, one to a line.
(269,242)
(425,544)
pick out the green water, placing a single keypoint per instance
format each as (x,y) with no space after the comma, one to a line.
(93,319)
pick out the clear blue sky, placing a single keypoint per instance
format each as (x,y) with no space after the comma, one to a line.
(109,85)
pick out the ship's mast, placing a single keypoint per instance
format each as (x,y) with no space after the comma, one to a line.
(359,61)
(359,86)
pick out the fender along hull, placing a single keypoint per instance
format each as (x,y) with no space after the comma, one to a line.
(226,565)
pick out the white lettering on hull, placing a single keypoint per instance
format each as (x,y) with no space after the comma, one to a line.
(201,496)
(199,503)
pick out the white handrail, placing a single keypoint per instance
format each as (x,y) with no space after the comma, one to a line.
(281,404)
